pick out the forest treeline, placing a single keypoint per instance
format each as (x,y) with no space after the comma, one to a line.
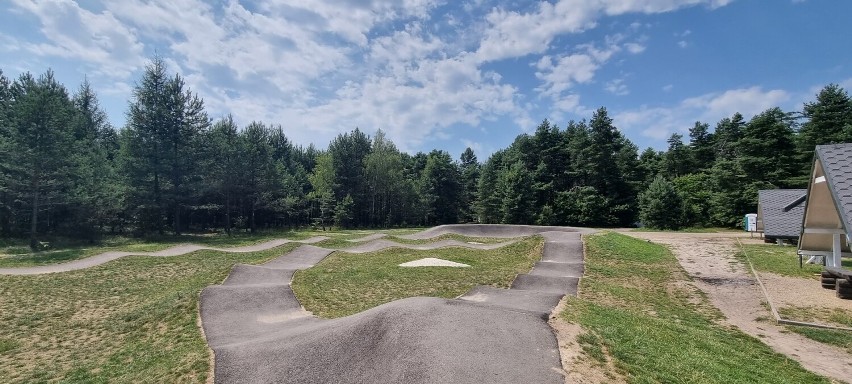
(66,171)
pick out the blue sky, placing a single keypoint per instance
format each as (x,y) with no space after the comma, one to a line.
(445,74)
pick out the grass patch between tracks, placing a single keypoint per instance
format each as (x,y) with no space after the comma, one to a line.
(347,283)
(15,253)
(133,320)
(656,327)
(341,242)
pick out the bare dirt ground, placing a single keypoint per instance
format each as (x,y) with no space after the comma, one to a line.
(709,260)
(806,293)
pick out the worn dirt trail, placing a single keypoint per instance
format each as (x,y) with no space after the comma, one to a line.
(709,260)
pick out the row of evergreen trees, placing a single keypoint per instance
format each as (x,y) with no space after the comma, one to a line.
(713,180)
(64,170)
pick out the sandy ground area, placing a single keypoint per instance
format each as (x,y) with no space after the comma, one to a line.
(788,291)
(709,260)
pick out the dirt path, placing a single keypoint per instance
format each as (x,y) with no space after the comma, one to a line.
(709,260)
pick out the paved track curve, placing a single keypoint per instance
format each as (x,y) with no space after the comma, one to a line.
(173,251)
(260,333)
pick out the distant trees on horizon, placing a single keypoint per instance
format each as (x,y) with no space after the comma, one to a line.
(65,171)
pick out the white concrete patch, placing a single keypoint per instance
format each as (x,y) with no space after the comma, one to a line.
(475,242)
(282,317)
(432,262)
(477,297)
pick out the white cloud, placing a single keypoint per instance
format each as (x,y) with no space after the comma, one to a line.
(566,71)
(747,101)
(668,87)
(98,39)
(660,122)
(617,87)
(517,34)
(634,48)
(326,66)
(682,44)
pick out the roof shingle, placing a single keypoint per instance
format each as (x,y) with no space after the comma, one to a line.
(837,164)
(777,222)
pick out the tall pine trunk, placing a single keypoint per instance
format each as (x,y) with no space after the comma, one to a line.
(158,202)
(253,209)
(228,213)
(34,220)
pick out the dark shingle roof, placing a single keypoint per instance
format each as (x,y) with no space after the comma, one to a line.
(837,164)
(777,222)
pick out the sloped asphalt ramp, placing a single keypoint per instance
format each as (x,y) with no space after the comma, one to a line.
(260,333)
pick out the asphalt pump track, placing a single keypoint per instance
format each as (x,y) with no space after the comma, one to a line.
(260,333)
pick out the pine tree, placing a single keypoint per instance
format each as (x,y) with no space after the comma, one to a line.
(323,182)
(225,167)
(728,133)
(650,165)
(660,206)
(344,213)
(6,201)
(383,169)
(701,147)
(829,121)
(677,160)
(348,152)
(97,190)
(260,176)
(489,198)
(470,171)
(42,139)
(440,188)
(613,169)
(518,197)
(766,149)
(162,146)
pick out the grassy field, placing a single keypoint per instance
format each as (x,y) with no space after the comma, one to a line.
(340,242)
(130,320)
(780,260)
(135,319)
(784,261)
(639,312)
(16,253)
(346,283)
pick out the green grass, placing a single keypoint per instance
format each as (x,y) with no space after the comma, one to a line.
(657,328)
(341,242)
(135,319)
(346,283)
(780,260)
(842,339)
(130,320)
(15,253)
